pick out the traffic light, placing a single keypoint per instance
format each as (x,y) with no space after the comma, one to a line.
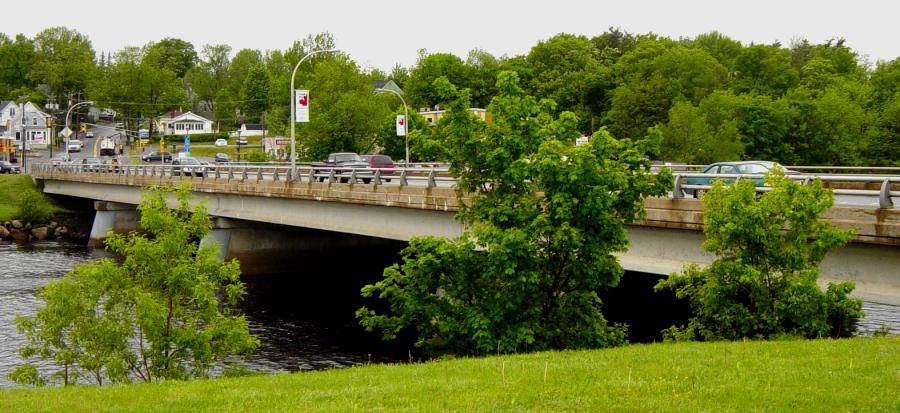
(83,127)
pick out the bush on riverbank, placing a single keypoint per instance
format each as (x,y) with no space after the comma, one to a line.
(815,375)
(763,283)
(27,214)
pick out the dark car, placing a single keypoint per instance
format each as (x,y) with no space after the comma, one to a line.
(221,158)
(157,157)
(8,168)
(340,162)
(383,162)
(734,168)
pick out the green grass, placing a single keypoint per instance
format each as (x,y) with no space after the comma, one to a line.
(860,374)
(11,189)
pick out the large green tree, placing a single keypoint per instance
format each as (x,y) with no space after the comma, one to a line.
(165,310)
(173,54)
(64,61)
(545,219)
(16,60)
(255,94)
(763,282)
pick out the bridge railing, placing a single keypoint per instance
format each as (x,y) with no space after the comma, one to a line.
(813,170)
(696,183)
(685,183)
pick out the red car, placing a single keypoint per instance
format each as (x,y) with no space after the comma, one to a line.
(383,162)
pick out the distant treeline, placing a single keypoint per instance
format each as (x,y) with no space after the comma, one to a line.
(712,97)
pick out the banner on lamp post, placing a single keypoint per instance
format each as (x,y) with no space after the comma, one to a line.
(301,98)
(401,125)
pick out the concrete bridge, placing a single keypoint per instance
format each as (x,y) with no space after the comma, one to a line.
(420,202)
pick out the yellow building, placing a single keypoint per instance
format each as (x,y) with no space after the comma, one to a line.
(434,116)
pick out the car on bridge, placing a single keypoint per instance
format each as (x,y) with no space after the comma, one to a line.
(340,162)
(188,167)
(382,162)
(221,158)
(733,168)
(61,159)
(157,157)
(8,168)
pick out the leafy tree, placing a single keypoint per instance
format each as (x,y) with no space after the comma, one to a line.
(718,45)
(428,68)
(255,94)
(173,54)
(482,77)
(544,225)
(394,146)
(16,60)
(345,115)
(765,70)
(165,311)
(64,61)
(694,136)
(210,75)
(763,283)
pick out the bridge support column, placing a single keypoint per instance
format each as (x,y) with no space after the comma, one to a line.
(112,216)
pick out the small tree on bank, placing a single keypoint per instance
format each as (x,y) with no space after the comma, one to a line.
(163,311)
(544,223)
(763,283)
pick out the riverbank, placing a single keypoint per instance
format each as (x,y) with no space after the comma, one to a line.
(820,375)
(50,220)
(12,187)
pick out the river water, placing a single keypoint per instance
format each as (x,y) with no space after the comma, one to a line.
(304,320)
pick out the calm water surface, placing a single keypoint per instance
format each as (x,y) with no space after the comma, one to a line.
(304,320)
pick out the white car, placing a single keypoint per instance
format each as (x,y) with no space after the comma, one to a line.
(74,145)
(221,142)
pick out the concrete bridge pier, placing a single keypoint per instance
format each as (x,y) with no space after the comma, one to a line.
(277,249)
(112,216)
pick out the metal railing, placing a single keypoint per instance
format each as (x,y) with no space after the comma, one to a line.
(430,177)
(812,170)
(884,194)
(413,176)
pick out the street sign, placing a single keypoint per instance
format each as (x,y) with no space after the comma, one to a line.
(187,144)
(66,132)
(301,97)
(401,125)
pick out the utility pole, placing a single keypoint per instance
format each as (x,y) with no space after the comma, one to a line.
(24,158)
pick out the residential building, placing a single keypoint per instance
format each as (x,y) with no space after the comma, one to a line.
(178,123)
(433,116)
(37,124)
(387,85)
(253,129)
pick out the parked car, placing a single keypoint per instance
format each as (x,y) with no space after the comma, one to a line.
(8,168)
(188,167)
(734,168)
(340,162)
(74,145)
(89,134)
(383,162)
(221,142)
(221,158)
(157,157)
(241,141)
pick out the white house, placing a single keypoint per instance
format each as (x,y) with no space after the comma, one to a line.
(253,129)
(37,124)
(177,123)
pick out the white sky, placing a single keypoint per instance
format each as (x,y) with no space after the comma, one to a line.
(381,33)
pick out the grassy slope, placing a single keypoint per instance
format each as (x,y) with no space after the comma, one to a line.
(11,187)
(823,375)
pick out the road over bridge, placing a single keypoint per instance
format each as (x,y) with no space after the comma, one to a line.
(422,201)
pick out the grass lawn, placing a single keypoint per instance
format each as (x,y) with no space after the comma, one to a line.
(860,374)
(11,188)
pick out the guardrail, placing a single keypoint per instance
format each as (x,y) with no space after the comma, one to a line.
(884,194)
(414,176)
(432,177)
(815,170)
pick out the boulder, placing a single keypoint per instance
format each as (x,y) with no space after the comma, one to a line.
(28,227)
(4,233)
(62,231)
(41,233)
(19,235)
(53,225)
(17,224)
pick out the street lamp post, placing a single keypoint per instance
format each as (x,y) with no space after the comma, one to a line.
(294,110)
(69,113)
(405,119)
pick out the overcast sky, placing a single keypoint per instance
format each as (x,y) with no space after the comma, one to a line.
(382,33)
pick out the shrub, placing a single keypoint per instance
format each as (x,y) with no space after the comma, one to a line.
(195,138)
(34,207)
(256,156)
(763,283)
